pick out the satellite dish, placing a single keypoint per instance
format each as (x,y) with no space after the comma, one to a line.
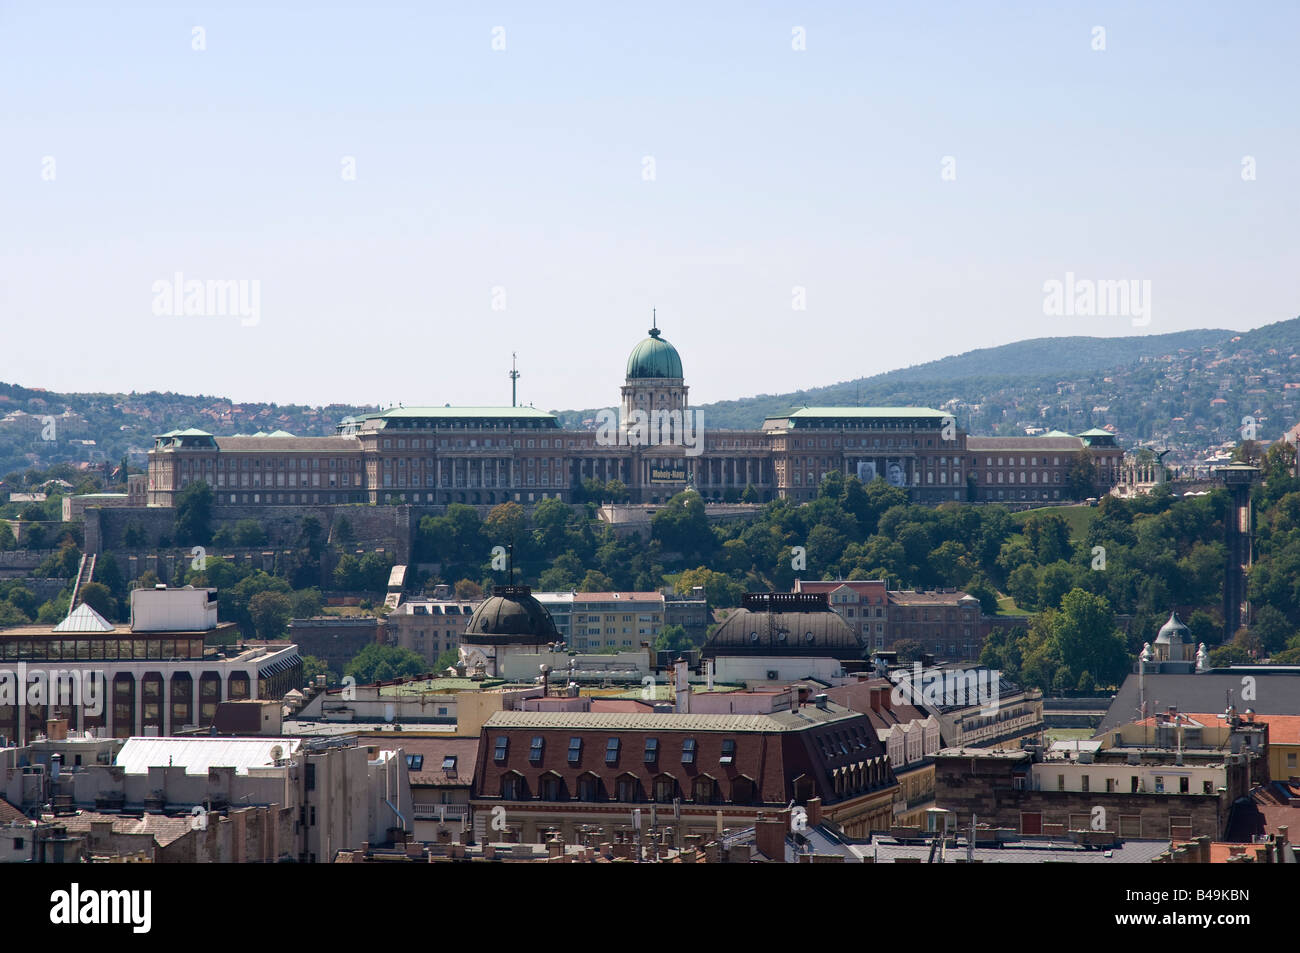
(276,752)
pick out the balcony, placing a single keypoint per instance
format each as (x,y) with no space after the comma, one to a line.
(452,813)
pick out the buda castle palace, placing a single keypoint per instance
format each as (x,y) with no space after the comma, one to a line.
(489,455)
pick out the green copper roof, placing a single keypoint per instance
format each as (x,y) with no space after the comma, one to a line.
(521,412)
(654,357)
(861,412)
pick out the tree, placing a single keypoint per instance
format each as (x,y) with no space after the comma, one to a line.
(468,589)
(1081,478)
(35,537)
(672,638)
(719,589)
(1229,654)
(909,651)
(249,533)
(981,590)
(270,613)
(109,573)
(194,514)
(596,581)
(1272,629)
(7,540)
(682,526)
(97,596)
(62,563)
(1087,638)
(55,610)
(750,495)
(306,603)
(11,615)
(24,600)
(312,667)
(384,662)
(556,579)
(347,572)
(1022,586)
(1056,580)
(1048,535)
(133,536)
(505,522)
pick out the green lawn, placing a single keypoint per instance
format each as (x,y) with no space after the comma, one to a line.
(1079,517)
(1007,606)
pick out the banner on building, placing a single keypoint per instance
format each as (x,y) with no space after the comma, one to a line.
(667,475)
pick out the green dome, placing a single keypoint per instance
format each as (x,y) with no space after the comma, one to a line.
(654,357)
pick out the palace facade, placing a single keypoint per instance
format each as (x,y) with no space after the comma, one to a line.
(489,455)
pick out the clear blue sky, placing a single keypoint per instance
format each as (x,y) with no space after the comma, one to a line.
(522,169)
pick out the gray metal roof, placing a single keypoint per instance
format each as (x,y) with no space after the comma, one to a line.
(1277,692)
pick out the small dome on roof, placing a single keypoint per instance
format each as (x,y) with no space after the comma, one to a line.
(511,615)
(1174,632)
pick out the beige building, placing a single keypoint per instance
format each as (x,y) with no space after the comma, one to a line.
(490,455)
(605,621)
(430,627)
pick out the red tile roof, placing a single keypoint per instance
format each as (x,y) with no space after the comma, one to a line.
(1282,729)
(9,814)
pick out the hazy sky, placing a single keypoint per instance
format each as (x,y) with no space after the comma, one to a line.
(518,177)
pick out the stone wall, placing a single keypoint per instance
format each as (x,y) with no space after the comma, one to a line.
(371,526)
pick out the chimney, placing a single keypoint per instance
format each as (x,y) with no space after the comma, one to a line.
(874,695)
(682,687)
(769,837)
(708,671)
(56,729)
(814,808)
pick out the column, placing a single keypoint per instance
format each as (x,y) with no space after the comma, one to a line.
(138,725)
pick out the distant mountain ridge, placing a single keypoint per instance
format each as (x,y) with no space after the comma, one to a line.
(1031,364)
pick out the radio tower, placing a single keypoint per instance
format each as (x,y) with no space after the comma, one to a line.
(514,378)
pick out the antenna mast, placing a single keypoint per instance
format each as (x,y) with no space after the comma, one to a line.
(514,378)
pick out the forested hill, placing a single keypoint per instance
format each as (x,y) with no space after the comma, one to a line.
(1187,390)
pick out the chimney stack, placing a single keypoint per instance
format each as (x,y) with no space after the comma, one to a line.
(814,808)
(769,837)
